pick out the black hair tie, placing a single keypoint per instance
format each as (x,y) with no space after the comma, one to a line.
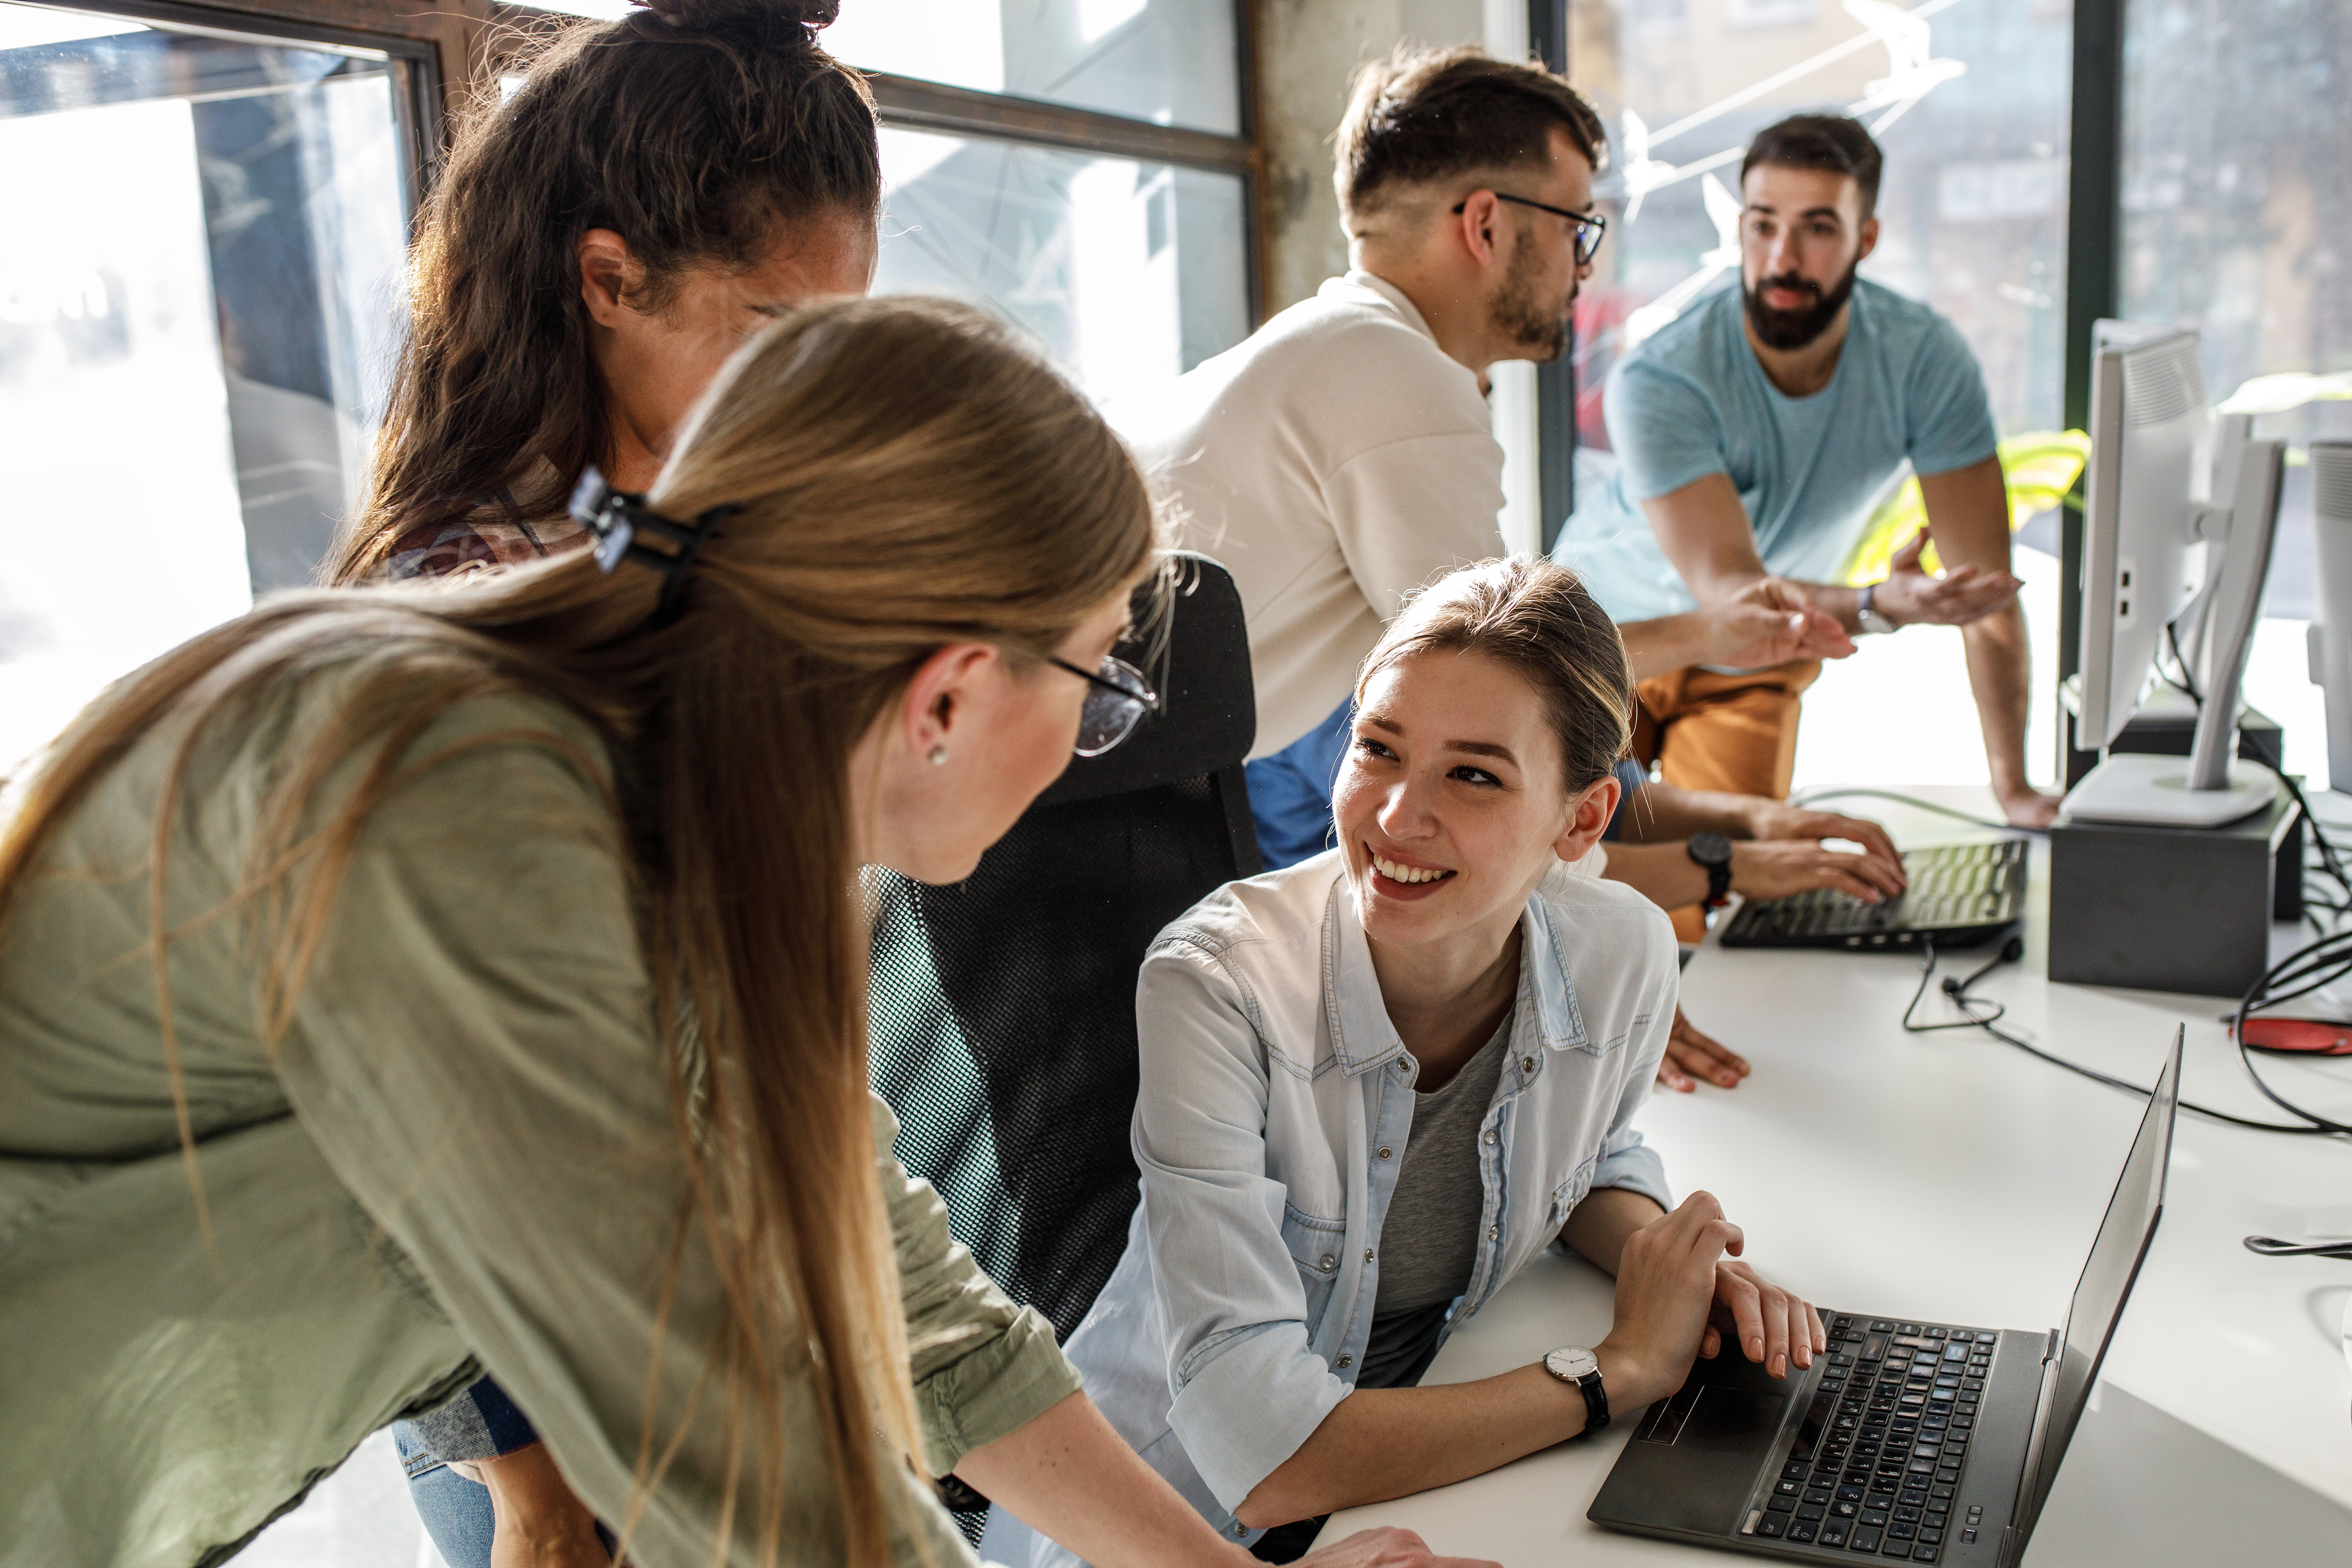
(617,518)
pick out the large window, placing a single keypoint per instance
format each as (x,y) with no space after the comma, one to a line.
(1078,167)
(199,298)
(2237,210)
(1969,100)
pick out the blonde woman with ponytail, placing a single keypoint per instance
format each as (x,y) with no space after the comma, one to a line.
(403,980)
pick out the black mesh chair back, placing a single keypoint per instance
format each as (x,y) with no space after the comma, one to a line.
(1004,1007)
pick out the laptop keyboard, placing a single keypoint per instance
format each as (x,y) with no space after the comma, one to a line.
(1952,888)
(1877,1462)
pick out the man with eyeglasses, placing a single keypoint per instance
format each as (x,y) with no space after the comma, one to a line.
(1345,454)
(1753,438)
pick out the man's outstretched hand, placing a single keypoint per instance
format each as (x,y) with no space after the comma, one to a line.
(1910,597)
(1771,622)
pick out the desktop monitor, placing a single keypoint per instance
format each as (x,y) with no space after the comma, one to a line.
(2181,509)
(2150,422)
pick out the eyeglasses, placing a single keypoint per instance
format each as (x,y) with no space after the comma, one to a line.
(1116,704)
(1590,227)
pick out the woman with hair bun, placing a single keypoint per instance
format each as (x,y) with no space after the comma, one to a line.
(658,188)
(597,244)
(401,976)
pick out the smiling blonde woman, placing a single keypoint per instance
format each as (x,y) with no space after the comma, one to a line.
(1376,1084)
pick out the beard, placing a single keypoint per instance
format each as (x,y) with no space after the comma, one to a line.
(1795,329)
(1519,315)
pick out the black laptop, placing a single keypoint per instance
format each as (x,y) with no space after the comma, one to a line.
(1959,895)
(1928,1442)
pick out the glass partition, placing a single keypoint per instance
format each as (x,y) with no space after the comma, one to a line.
(199,303)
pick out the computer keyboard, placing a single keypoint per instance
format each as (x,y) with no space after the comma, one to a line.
(1959,894)
(1877,1461)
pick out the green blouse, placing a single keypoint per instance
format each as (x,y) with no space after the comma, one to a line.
(462,1148)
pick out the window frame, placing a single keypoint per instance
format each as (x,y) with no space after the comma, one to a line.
(432,52)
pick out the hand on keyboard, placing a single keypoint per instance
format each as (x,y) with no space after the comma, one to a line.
(1780,868)
(1773,1326)
(1773,819)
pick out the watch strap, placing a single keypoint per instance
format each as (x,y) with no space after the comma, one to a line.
(1873,620)
(1596,1397)
(1596,1401)
(1716,864)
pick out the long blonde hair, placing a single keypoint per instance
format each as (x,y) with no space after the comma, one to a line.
(906,476)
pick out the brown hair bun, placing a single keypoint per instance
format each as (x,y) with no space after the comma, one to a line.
(737,16)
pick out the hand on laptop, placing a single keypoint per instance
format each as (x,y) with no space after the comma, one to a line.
(1692,1055)
(1665,1294)
(1679,1298)
(1783,867)
(1771,622)
(1771,1325)
(1388,1548)
(1767,818)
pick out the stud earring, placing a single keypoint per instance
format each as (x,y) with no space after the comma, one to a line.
(939,756)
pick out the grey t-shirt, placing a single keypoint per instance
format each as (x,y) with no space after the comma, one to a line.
(1429,1241)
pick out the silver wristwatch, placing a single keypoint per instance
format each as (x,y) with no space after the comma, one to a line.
(1873,620)
(1573,1364)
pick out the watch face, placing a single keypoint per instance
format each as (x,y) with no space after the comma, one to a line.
(1570,1365)
(1710,849)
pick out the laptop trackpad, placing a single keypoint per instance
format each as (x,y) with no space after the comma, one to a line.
(1732,1421)
(1695,1458)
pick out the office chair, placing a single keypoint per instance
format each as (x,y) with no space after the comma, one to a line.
(1002,1008)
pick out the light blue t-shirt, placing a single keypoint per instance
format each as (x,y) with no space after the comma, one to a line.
(1693,401)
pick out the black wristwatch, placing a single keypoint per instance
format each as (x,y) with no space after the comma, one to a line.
(1582,1367)
(1713,851)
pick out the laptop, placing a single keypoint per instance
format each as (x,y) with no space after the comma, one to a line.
(1927,1442)
(1959,894)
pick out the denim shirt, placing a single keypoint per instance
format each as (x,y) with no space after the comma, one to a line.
(1275,1106)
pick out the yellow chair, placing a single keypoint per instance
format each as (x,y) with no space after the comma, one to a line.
(2041,467)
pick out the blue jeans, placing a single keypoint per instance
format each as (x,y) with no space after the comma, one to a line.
(455,1511)
(1290,793)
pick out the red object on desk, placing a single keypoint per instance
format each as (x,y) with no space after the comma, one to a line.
(2299,1036)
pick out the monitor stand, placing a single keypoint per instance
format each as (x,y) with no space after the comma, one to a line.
(2154,792)
(2210,787)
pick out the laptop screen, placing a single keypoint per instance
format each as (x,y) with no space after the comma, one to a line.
(2106,1279)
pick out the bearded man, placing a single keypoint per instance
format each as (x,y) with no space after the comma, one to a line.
(1753,438)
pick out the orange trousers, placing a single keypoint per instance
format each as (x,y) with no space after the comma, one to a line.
(1735,734)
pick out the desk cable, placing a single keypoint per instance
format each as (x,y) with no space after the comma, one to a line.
(2271,1247)
(1853,791)
(1958,988)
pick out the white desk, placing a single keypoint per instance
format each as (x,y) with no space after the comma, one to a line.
(1952,1178)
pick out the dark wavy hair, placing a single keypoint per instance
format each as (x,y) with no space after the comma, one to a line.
(693,129)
